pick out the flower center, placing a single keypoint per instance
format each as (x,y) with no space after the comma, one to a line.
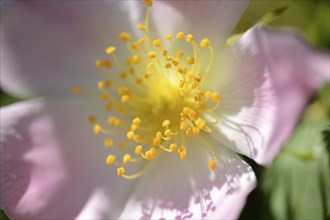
(158,99)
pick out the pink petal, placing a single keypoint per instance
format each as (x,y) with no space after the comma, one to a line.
(175,189)
(212,19)
(275,74)
(47,47)
(52,165)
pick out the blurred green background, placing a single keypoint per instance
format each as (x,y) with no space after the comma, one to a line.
(297,185)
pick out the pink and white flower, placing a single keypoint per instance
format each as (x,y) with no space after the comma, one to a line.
(52,164)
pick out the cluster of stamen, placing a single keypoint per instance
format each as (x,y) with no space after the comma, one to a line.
(161,92)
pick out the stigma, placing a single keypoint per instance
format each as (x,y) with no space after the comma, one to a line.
(156,97)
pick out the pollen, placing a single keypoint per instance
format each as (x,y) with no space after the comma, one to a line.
(155,98)
(212,164)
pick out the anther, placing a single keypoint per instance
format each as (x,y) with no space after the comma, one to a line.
(173,147)
(124,98)
(110,50)
(136,121)
(76,90)
(101,85)
(110,159)
(126,158)
(148,3)
(97,129)
(212,165)
(130,134)
(138,149)
(92,119)
(189,38)
(166,123)
(120,171)
(180,36)
(108,142)
(142,27)
(157,42)
(169,37)
(125,36)
(151,55)
(205,43)
(190,60)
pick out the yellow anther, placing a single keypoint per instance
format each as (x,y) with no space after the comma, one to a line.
(212,164)
(168,37)
(153,151)
(138,149)
(134,127)
(140,41)
(205,43)
(139,81)
(108,83)
(183,155)
(180,54)
(180,36)
(122,145)
(105,96)
(148,3)
(76,90)
(138,138)
(124,91)
(123,75)
(182,70)
(176,62)
(136,121)
(158,134)
(131,70)
(147,75)
(111,120)
(98,63)
(189,132)
(117,122)
(109,106)
(124,98)
(107,63)
(110,159)
(149,155)
(168,65)
(101,85)
(190,60)
(152,55)
(216,97)
(208,94)
(110,50)
(173,147)
(130,134)
(108,142)
(121,110)
(135,46)
(92,119)
(120,171)
(157,42)
(126,158)
(189,38)
(125,36)
(168,133)
(136,59)
(166,123)
(164,52)
(156,141)
(97,129)
(181,83)
(142,27)
(150,65)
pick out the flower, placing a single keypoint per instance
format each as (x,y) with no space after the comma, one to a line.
(53,164)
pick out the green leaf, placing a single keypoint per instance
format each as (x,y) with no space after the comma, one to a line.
(3,215)
(270,16)
(297,184)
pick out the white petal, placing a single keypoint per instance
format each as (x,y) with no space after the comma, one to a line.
(212,19)
(175,189)
(47,47)
(53,166)
(274,75)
